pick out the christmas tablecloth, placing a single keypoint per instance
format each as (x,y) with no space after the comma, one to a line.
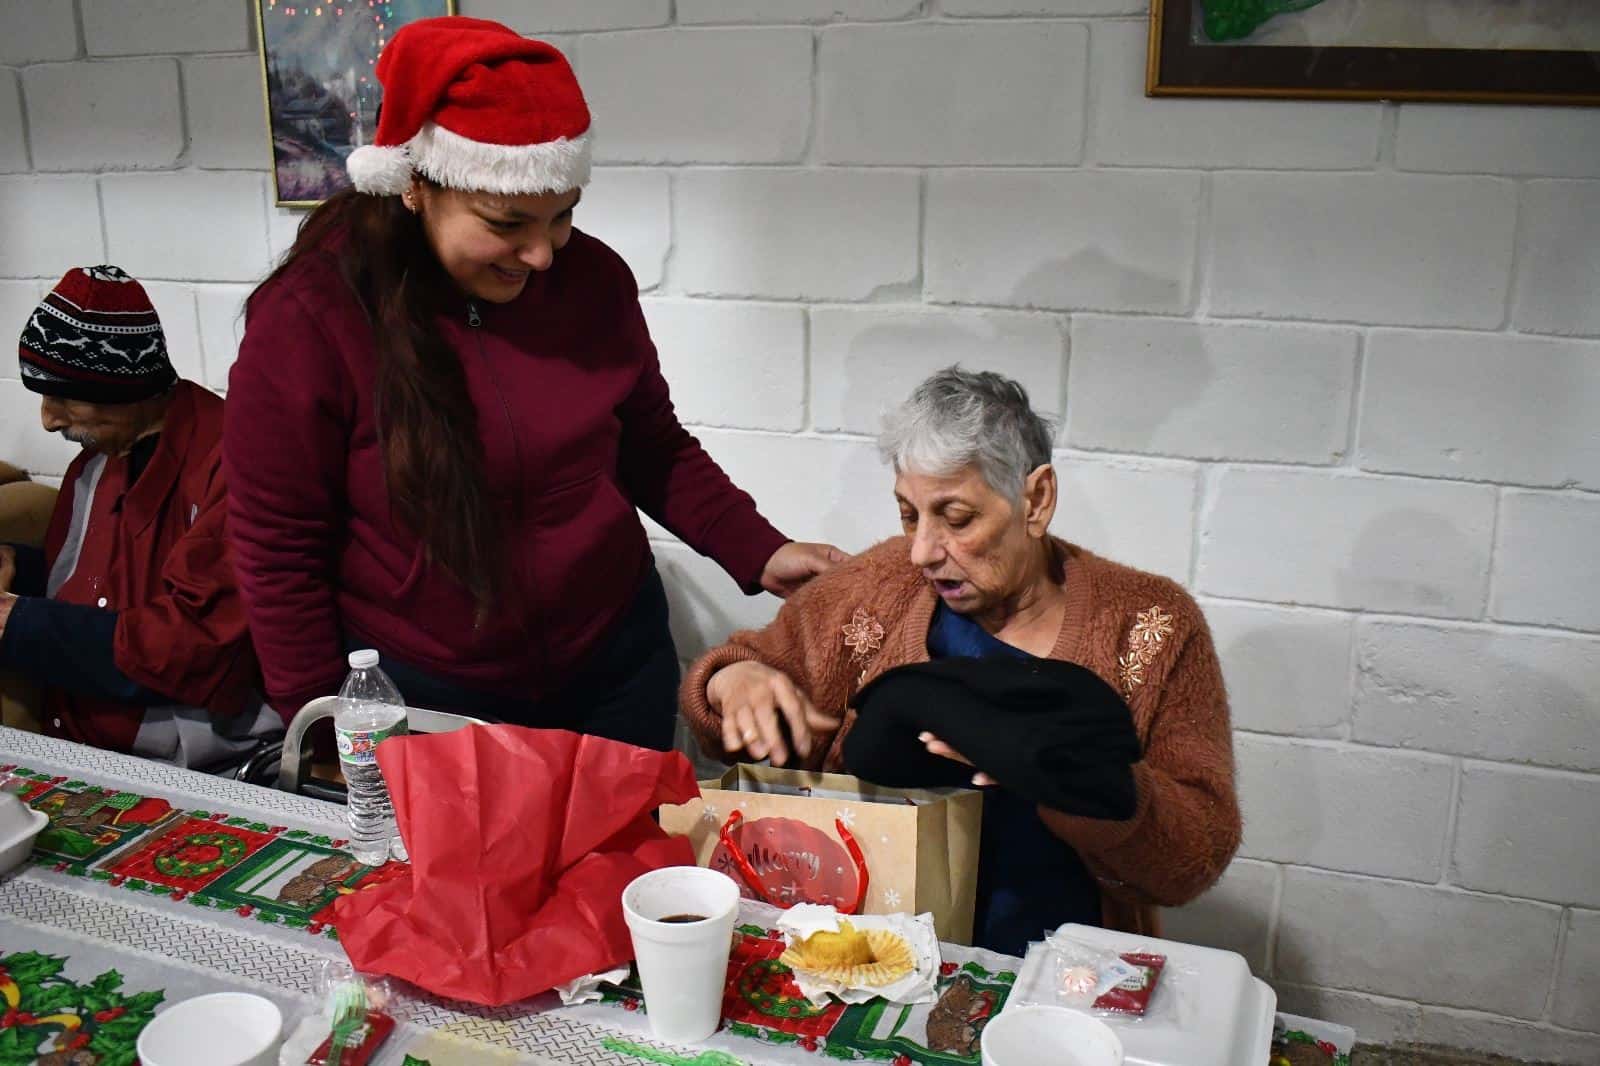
(152,884)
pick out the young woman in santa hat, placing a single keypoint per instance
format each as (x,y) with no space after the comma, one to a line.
(446,408)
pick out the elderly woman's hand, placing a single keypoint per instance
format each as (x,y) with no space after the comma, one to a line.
(935,746)
(755,701)
(796,563)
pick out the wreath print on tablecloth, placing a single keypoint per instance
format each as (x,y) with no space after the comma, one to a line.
(767,985)
(228,849)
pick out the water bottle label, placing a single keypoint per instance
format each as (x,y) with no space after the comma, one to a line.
(360,746)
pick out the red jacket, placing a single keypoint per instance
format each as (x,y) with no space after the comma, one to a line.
(577,429)
(180,623)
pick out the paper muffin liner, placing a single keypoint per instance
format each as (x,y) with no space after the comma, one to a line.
(906,949)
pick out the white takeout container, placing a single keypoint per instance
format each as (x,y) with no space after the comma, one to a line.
(221,1029)
(20,826)
(1208,1010)
(1033,1035)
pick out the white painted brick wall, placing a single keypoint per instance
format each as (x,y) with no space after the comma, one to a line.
(13,143)
(937,94)
(738,107)
(1486,692)
(570,16)
(1390,248)
(180,322)
(1331,365)
(23,440)
(116,114)
(1376,1019)
(1319,805)
(17,301)
(1287,670)
(37,33)
(1528,833)
(227,120)
(1551,141)
(740,365)
(1132,129)
(1210,391)
(1549,567)
(1578,985)
(141,27)
(150,221)
(51,224)
(795,234)
(1491,1033)
(221,309)
(1139,513)
(1073,240)
(861,357)
(1235,914)
(703,11)
(1436,945)
(1375,543)
(1482,407)
(1560,246)
(631,210)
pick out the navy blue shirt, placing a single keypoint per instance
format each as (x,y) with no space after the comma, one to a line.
(1029,879)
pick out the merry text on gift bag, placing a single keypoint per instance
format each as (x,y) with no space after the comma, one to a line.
(810,837)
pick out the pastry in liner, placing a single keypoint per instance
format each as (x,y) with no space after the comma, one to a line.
(852,957)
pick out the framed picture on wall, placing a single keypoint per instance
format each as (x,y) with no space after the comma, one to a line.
(1485,51)
(321,93)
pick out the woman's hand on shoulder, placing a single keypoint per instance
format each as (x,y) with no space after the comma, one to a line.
(796,563)
(757,703)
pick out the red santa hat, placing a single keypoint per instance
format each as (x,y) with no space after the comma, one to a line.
(473,105)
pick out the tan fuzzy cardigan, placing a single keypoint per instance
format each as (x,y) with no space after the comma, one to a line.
(1140,633)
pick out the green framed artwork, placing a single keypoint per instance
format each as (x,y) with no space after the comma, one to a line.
(1508,51)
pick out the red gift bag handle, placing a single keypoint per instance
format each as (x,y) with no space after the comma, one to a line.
(753,879)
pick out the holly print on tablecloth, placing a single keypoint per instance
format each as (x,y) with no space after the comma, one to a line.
(190,855)
(51,1020)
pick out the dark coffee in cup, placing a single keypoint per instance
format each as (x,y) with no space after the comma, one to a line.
(683,918)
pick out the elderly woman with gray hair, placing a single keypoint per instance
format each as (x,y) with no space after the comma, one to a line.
(1085,697)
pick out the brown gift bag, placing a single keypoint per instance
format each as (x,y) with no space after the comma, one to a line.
(800,836)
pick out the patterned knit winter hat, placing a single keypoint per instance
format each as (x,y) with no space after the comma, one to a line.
(96,338)
(474,105)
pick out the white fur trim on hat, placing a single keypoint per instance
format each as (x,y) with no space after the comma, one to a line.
(378,170)
(475,166)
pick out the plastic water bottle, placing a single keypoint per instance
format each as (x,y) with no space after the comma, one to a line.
(371,710)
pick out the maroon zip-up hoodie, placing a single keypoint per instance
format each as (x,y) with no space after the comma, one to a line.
(578,430)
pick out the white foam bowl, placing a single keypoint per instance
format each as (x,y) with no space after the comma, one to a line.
(1038,1035)
(222,1029)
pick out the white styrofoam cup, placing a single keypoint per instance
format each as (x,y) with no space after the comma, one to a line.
(683,966)
(1034,1035)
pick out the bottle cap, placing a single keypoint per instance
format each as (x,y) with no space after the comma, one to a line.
(362,658)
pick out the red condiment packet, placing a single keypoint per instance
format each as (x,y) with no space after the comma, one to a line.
(1132,995)
(377,1030)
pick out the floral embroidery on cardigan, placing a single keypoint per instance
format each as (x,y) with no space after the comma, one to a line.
(1150,631)
(863,635)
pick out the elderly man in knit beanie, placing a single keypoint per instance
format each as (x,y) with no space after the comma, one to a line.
(130,617)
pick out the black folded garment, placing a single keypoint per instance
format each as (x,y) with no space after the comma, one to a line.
(1047,730)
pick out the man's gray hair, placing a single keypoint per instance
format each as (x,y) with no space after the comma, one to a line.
(957,417)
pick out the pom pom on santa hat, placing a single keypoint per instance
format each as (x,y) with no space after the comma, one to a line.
(473,105)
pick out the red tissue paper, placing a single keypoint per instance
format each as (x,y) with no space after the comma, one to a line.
(521,842)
